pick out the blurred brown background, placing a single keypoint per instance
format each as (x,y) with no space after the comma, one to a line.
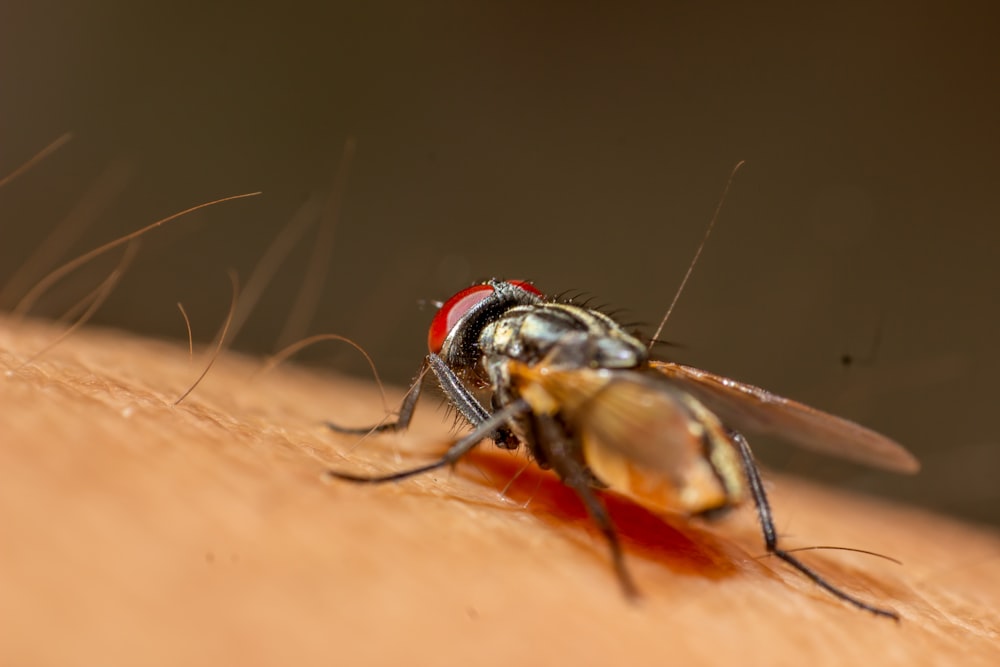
(574,144)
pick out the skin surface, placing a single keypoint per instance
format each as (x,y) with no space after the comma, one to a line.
(139,532)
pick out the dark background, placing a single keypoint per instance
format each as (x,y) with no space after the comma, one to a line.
(574,144)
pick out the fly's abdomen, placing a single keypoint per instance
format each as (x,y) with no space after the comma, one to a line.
(640,436)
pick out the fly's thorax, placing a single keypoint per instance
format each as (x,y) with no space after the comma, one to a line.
(561,335)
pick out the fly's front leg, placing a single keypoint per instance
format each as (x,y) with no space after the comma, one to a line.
(403,418)
(468,405)
(458,395)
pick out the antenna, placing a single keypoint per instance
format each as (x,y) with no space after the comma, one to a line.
(697,254)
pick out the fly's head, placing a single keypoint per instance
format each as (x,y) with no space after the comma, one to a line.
(454,333)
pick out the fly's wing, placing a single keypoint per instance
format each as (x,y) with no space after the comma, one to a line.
(745,407)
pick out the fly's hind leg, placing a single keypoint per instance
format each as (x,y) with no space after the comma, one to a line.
(771,535)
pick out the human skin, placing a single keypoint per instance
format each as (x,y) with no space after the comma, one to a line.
(138,532)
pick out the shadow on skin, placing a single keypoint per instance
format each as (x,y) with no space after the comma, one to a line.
(671,540)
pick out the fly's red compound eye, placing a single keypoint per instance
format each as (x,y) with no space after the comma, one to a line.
(453,310)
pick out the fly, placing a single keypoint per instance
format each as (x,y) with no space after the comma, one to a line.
(584,397)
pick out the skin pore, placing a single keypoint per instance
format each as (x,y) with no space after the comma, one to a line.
(135,531)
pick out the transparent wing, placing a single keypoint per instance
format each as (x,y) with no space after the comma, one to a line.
(745,407)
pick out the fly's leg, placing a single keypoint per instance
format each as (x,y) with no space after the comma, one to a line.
(458,394)
(455,390)
(771,536)
(550,437)
(456,451)
(401,422)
